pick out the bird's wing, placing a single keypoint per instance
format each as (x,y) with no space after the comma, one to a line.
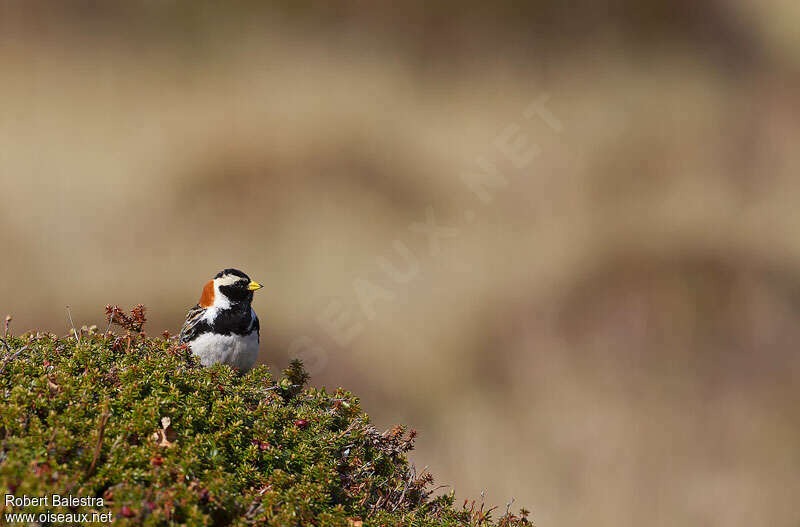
(256,326)
(190,327)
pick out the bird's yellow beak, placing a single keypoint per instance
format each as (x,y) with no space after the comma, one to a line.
(254,286)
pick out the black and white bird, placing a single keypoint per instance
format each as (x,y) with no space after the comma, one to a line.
(222,327)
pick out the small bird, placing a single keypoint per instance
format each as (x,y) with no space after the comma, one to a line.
(222,327)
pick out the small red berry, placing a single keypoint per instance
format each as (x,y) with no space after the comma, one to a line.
(46,363)
(156,461)
(301,423)
(127,511)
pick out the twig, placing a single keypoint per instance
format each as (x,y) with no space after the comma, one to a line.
(12,357)
(75,331)
(508,506)
(110,321)
(402,496)
(5,343)
(99,446)
(8,321)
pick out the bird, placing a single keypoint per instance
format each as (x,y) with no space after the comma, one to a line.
(223,327)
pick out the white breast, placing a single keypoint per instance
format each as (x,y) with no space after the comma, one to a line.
(235,350)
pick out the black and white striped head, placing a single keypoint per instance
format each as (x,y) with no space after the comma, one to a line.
(229,287)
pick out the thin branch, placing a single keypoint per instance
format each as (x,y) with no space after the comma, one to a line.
(12,357)
(75,331)
(110,321)
(508,506)
(99,446)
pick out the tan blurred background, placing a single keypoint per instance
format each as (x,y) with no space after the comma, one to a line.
(611,340)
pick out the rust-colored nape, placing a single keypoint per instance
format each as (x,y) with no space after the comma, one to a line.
(207,298)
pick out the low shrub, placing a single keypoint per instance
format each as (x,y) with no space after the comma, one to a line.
(136,422)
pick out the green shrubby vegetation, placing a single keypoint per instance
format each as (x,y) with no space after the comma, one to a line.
(137,421)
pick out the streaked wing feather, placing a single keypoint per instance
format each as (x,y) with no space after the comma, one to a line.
(188,331)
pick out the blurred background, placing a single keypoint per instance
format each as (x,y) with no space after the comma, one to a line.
(603,325)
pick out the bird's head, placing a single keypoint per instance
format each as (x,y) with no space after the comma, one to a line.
(230,286)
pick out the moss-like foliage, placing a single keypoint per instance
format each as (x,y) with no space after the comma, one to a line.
(138,422)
